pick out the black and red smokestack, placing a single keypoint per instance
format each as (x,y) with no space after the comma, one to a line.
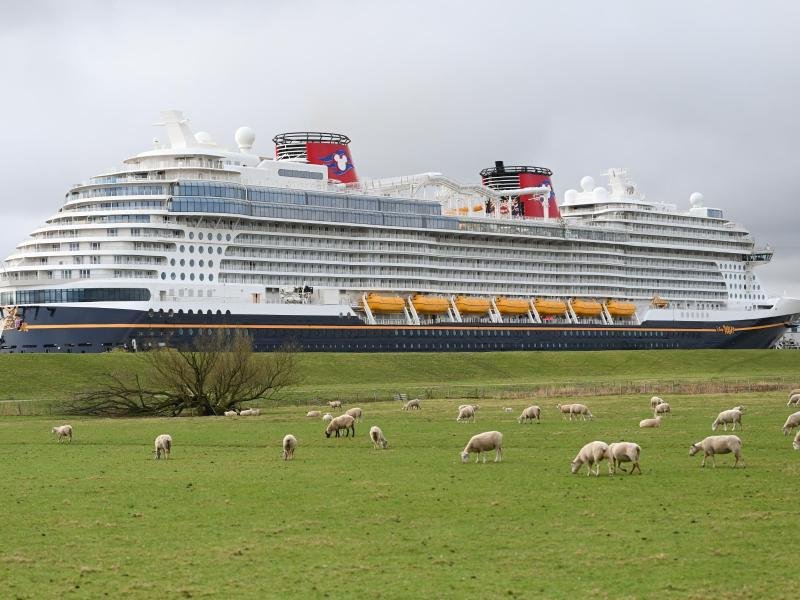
(502,177)
(317,148)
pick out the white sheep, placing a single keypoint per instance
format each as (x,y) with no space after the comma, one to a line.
(655,401)
(354,412)
(662,409)
(335,404)
(412,405)
(376,435)
(740,408)
(582,410)
(794,400)
(62,431)
(718,444)
(592,453)
(529,414)
(796,442)
(794,392)
(254,412)
(654,422)
(792,421)
(465,414)
(245,413)
(230,413)
(620,452)
(565,409)
(345,422)
(289,444)
(314,413)
(508,409)
(163,445)
(327,417)
(728,416)
(474,407)
(484,442)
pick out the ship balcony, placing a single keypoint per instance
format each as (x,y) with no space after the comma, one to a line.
(760,255)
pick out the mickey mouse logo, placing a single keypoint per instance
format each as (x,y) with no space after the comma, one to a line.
(338,162)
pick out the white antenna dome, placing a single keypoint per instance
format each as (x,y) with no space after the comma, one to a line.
(203,137)
(570,196)
(600,194)
(587,183)
(696,199)
(245,137)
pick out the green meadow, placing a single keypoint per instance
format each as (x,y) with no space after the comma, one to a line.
(225,517)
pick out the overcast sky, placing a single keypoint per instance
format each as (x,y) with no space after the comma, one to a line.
(691,96)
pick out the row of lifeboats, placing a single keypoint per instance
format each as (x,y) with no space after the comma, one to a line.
(472,305)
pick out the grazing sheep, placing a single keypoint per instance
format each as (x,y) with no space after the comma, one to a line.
(314,413)
(582,410)
(718,444)
(289,444)
(728,416)
(466,413)
(794,399)
(655,401)
(740,408)
(508,409)
(163,445)
(245,413)
(484,442)
(794,393)
(376,435)
(230,413)
(335,404)
(327,417)
(592,453)
(654,422)
(254,412)
(529,414)
(662,409)
(565,409)
(792,421)
(412,405)
(345,422)
(620,452)
(354,412)
(474,407)
(62,431)
(796,442)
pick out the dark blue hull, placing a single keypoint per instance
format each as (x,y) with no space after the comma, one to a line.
(86,329)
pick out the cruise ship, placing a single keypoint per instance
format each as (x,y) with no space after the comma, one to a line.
(293,246)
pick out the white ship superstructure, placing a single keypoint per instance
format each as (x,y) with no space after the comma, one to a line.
(297,241)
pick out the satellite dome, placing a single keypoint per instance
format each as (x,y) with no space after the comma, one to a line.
(203,137)
(570,196)
(245,137)
(600,194)
(587,183)
(696,199)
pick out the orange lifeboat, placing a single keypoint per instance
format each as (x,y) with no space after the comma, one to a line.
(385,304)
(472,306)
(512,306)
(550,308)
(587,308)
(620,309)
(659,302)
(429,305)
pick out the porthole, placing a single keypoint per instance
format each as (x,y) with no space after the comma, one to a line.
(191,249)
(183,262)
(183,248)
(201,263)
(172,275)
(191,235)
(172,262)
(210,250)
(219,237)
(219,250)
(191,276)
(211,263)
(163,275)
(211,277)
(228,237)
(191,262)
(183,276)
(201,276)
(200,249)
(200,236)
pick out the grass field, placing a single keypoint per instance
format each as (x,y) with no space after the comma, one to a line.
(225,517)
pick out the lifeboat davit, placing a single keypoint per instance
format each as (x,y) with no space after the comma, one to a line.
(472,306)
(620,309)
(429,305)
(385,304)
(587,308)
(512,306)
(550,308)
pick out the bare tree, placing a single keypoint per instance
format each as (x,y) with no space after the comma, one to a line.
(219,372)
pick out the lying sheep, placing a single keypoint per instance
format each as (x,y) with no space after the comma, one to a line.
(592,453)
(465,414)
(327,417)
(412,405)
(654,422)
(314,413)
(529,414)
(376,435)
(289,444)
(794,400)
(796,442)
(582,410)
(792,421)
(254,412)
(620,452)
(345,422)
(354,412)
(484,442)
(62,431)
(163,445)
(718,444)
(663,408)
(230,413)
(245,413)
(728,416)
(655,401)
(565,409)
(508,409)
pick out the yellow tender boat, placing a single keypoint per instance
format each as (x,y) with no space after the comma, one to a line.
(549,308)
(620,309)
(472,306)
(385,304)
(429,305)
(512,306)
(587,308)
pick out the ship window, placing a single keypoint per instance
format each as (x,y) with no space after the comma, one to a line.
(201,276)
(200,236)
(182,248)
(200,249)
(228,237)
(219,250)
(183,276)
(191,262)
(211,277)
(191,249)
(163,275)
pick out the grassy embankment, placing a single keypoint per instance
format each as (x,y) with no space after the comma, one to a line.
(225,517)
